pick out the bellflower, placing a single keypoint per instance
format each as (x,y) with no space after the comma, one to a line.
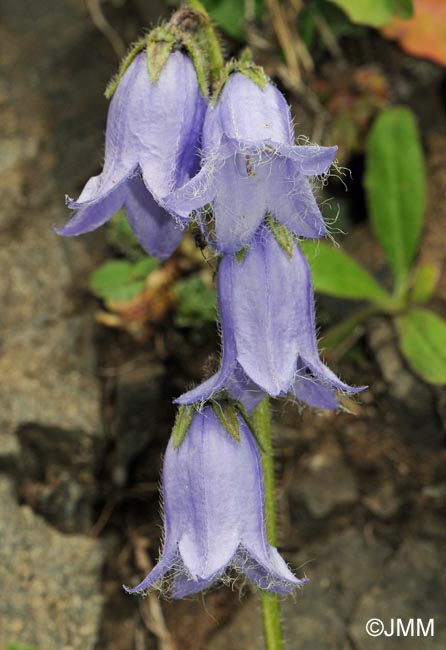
(268,330)
(214,513)
(152,136)
(251,166)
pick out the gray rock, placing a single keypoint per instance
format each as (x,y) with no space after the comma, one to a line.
(326,483)
(9,450)
(141,405)
(50,582)
(412,587)
(50,400)
(244,632)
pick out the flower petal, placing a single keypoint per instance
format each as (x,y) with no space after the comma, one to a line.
(305,326)
(95,214)
(166,562)
(184,585)
(241,388)
(167,118)
(309,160)
(245,112)
(239,204)
(194,194)
(228,361)
(272,573)
(121,143)
(312,391)
(155,229)
(256,557)
(292,202)
(264,302)
(200,493)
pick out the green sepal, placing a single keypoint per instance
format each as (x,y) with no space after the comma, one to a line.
(182,423)
(281,234)
(199,59)
(211,41)
(246,67)
(246,419)
(127,61)
(160,43)
(240,255)
(228,416)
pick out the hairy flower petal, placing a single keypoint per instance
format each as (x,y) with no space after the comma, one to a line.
(152,226)
(153,131)
(213,508)
(264,301)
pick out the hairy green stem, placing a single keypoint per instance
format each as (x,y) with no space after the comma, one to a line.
(261,421)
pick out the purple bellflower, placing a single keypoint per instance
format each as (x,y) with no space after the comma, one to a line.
(268,330)
(214,513)
(152,138)
(251,166)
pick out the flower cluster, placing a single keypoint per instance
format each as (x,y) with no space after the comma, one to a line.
(229,162)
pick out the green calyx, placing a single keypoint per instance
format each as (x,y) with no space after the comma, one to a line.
(281,234)
(245,66)
(182,424)
(190,29)
(240,255)
(159,45)
(128,59)
(227,413)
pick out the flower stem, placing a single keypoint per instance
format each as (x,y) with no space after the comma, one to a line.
(261,421)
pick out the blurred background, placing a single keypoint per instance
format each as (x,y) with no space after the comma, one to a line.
(96,338)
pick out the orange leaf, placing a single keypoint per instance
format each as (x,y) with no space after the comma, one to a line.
(424,35)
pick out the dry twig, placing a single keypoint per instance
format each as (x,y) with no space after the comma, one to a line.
(150,608)
(102,24)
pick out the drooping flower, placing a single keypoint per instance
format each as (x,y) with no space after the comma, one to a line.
(268,328)
(152,139)
(251,166)
(214,515)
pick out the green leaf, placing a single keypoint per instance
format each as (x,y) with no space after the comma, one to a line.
(20,646)
(425,281)
(141,269)
(227,413)
(197,302)
(337,274)
(114,281)
(423,342)
(375,12)
(183,419)
(403,8)
(395,185)
(230,15)
(120,236)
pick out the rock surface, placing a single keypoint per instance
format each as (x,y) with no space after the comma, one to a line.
(408,590)
(50,399)
(327,482)
(52,581)
(339,569)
